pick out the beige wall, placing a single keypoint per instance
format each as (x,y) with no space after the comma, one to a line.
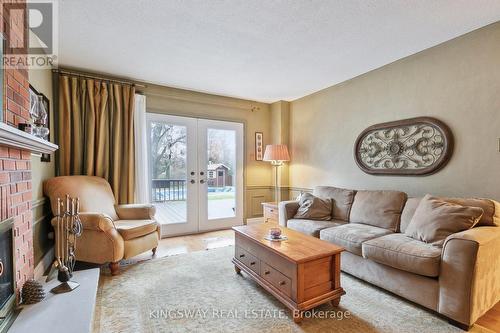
(255,117)
(280,120)
(280,134)
(41,80)
(457,82)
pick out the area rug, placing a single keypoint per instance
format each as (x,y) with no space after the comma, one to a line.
(200,292)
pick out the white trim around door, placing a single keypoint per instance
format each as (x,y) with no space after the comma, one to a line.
(212,214)
(190,198)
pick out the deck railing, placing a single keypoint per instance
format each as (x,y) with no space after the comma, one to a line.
(168,190)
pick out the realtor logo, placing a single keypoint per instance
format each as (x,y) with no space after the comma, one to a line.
(30,34)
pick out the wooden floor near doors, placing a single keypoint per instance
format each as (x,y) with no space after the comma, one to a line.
(191,243)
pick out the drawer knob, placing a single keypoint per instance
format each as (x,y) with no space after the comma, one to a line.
(252,263)
(266,272)
(271,210)
(282,283)
(242,255)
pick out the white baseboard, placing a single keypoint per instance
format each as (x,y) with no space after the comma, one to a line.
(255,220)
(44,264)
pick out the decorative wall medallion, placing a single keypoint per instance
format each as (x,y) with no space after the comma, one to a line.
(417,146)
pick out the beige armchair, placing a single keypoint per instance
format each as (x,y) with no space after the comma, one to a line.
(110,232)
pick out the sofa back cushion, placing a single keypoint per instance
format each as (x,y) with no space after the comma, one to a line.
(378,208)
(408,211)
(435,219)
(491,208)
(342,200)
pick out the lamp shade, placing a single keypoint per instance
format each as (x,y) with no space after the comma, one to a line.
(276,153)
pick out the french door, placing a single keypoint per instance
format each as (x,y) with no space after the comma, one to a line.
(195,173)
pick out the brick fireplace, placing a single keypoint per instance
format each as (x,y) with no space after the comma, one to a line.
(15,165)
(16,217)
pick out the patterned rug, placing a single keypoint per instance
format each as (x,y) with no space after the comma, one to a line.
(200,292)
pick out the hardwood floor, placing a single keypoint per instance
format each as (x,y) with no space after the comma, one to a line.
(491,319)
(215,239)
(191,243)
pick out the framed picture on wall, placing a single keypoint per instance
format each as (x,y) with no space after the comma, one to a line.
(46,102)
(259,146)
(33,98)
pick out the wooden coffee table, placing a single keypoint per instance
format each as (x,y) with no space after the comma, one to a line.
(301,272)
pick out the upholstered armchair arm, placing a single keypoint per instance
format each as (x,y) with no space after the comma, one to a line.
(136,211)
(100,242)
(94,221)
(287,210)
(469,280)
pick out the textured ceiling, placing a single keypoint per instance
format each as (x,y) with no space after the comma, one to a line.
(263,50)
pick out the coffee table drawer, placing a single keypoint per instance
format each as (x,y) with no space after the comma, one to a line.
(276,278)
(248,259)
(286,267)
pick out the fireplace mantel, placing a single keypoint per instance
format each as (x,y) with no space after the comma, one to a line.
(15,138)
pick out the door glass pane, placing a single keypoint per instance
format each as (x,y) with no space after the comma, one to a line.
(221,170)
(168,165)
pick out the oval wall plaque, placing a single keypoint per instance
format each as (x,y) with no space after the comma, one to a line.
(416,146)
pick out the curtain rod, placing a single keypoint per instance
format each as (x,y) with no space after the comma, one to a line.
(97,77)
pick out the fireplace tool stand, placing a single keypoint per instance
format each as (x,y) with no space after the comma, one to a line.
(67,228)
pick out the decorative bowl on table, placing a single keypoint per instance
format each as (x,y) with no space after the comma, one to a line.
(275,233)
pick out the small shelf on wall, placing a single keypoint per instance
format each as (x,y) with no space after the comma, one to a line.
(15,138)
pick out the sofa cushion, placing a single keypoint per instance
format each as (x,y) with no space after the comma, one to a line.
(351,235)
(491,208)
(312,207)
(129,229)
(408,211)
(378,208)
(312,227)
(435,219)
(405,253)
(342,200)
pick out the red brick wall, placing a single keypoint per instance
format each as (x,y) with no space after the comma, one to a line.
(15,165)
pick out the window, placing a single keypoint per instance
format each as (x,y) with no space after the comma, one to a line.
(210,174)
(220,173)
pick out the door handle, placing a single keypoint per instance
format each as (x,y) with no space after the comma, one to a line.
(202,181)
(193,181)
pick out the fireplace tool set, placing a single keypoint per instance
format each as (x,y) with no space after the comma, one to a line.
(67,228)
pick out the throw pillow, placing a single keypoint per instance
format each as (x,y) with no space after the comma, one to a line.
(314,208)
(436,219)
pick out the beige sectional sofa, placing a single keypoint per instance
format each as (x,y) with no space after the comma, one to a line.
(461,280)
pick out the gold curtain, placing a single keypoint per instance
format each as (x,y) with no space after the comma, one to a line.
(96,132)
